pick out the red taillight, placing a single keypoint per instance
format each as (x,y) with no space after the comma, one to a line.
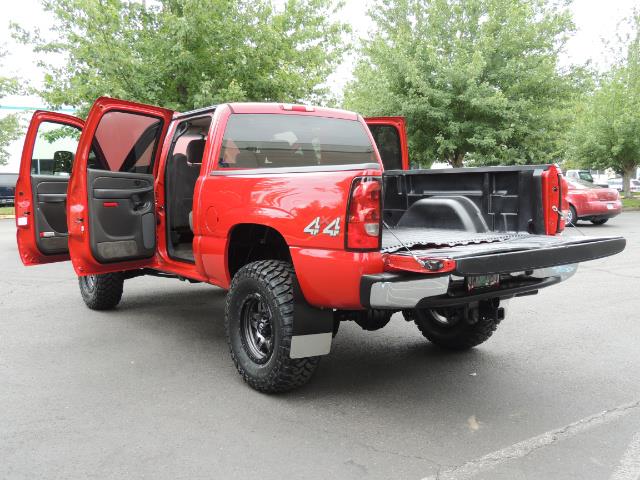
(363,215)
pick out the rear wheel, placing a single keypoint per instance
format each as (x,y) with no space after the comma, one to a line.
(259,327)
(599,221)
(572,216)
(454,328)
(101,292)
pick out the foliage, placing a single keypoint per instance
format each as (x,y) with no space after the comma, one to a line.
(10,128)
(607,132)
(632,202)
(478,80)
(7,210)
(185,54)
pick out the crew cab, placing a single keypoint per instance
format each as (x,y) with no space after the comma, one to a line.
(307,216)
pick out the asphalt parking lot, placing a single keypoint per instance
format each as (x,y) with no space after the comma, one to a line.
(149,390)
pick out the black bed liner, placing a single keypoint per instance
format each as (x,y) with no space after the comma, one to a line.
(397,239)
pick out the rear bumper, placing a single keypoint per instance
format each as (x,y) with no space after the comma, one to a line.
(403,291)
(599,209)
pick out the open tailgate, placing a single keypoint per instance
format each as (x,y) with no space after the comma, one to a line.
(463,253)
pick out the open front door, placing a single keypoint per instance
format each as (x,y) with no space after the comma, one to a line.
(111,207)
(390,134)
(41,190)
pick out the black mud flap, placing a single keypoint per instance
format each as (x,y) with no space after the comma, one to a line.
(312,327)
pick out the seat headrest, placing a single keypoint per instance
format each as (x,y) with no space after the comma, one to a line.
(179,158)
(195,150)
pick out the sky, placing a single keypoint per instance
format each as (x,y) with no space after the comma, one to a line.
(596,20)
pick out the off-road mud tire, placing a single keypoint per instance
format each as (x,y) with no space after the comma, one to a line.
(103,291)
(461,335)
(273,280)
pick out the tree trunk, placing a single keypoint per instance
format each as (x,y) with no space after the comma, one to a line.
(626,181)
(456,160)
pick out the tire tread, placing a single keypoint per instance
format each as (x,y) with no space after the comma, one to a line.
(107,293)
(471,335)
(288,373)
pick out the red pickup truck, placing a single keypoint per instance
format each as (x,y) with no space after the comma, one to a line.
(307,216)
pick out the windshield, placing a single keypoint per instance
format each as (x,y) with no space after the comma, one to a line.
(585,176)
(273,140)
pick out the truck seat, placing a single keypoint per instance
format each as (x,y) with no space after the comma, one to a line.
(184,173)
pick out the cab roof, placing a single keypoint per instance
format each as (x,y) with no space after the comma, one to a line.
(278,108)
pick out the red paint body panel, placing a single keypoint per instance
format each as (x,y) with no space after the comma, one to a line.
(286,202)
(331,278)
(26,234)
(77,198)
(594,202)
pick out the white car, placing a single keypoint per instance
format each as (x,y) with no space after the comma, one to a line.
(617,184)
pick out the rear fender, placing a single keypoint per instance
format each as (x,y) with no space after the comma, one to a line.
(312,326)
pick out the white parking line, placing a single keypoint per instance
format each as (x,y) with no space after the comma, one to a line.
(521,449)
(629,468)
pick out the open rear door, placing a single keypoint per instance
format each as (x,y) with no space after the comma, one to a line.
(390,135)
(111,207)
(41,190)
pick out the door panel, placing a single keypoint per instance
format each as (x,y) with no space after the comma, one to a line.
(50,213)
(112,218)
(390,135)
(41,191)
(121,210)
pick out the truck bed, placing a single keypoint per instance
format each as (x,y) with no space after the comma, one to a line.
(489,220)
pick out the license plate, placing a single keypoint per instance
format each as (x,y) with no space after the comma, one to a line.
(610,206)
(482,281)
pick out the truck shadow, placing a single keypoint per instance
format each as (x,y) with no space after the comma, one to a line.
(394,363)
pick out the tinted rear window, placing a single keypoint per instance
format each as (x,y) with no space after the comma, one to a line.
(272,140)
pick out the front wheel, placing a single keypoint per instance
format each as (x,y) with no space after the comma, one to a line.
(454,328)
(101,292)
(259,327)
(599,221)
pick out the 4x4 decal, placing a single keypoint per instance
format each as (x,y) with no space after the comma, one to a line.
(332,229)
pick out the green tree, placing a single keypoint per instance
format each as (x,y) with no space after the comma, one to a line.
(478,80)
(10,128)
(185,54)
(607,131)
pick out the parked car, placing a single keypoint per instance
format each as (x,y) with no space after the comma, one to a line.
(8,188)
(617,184)
(586,175)
(308,216)
(590,203)
(579,175)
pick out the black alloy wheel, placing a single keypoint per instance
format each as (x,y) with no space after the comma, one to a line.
(257,328)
